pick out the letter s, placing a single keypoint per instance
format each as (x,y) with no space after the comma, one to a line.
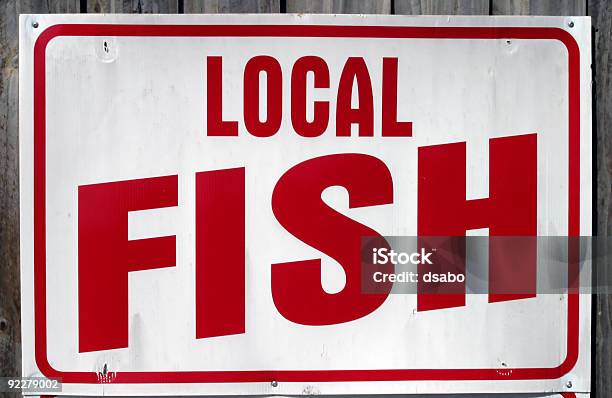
(297,205)
(382,252)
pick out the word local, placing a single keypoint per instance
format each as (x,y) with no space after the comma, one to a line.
(354,71)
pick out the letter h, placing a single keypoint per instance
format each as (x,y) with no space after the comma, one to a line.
(510,213)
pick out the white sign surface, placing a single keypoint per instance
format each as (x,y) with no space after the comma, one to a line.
(194,190)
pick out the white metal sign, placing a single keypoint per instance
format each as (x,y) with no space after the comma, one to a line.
(195,191)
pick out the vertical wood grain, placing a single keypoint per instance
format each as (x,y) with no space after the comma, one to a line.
(108,6)
(235,6)
(601,13)
(133,6)
(340,6)
(47,6)
(10,323)
(538,7)
(442,7)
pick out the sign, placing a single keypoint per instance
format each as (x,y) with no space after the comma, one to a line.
(195,191)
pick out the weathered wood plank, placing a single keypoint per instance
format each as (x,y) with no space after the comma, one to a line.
(442,7)
(601,12)
(133,6)
(235,6)
(340,6)
(105,6)
(538,7)
(49,6)
(10,322)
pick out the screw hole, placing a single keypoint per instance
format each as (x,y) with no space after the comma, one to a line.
(3,325)
(106,49)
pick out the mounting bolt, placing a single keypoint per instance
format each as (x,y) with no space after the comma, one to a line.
(571,24)
(568,384)
(274,383)
(35,24)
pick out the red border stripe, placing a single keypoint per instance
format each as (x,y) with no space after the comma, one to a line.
(399,32)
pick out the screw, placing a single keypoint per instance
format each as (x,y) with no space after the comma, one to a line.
(571,24)
(35,24)
(274,383)
(568,384)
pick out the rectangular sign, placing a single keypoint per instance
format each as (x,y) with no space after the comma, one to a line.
(196,191)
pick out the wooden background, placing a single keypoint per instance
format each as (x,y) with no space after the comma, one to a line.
(599,10)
